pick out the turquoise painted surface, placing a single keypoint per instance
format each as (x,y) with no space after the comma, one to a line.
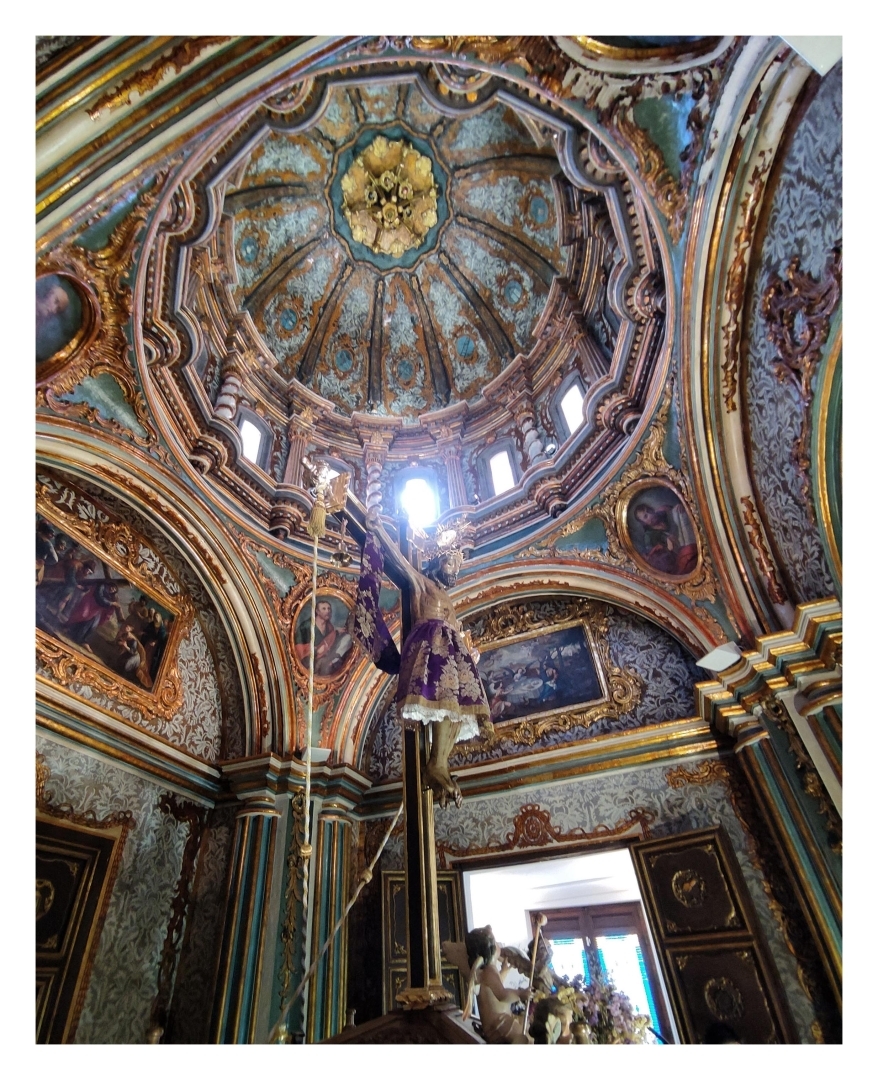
(591,537)
(96,236)
(283,579)
(664,120)
(103,393)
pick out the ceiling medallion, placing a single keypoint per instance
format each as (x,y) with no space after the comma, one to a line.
(390,197)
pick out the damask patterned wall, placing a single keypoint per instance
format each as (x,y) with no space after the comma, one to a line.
(804,223)
(125,976)
(670,806)
(667,674)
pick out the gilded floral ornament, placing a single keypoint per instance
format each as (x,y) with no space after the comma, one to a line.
(390,197)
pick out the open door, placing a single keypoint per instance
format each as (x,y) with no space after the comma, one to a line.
(717,970)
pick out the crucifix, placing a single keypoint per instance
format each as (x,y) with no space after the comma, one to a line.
(440,700)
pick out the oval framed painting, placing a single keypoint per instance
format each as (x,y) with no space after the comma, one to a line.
(333,645)
(66,319)
(658,531)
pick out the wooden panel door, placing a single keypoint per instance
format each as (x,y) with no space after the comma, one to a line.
(720,977)
(75,867)
(395,946)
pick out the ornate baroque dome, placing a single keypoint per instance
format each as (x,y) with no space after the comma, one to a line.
(405,262)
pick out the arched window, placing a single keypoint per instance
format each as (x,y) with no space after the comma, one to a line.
(256,439)
(251,440)
(498,468)
(502,476)
(417,496)
(571,406)
(418,499)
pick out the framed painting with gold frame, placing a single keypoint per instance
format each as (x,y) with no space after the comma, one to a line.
(109,614)
(554,657)
(67,320)
(657,529)
(333,644)
(536,675)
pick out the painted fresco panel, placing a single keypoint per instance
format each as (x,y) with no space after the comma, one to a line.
(86,604)
(539,674)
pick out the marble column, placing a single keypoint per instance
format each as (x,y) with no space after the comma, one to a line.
(330,891)
(240,967)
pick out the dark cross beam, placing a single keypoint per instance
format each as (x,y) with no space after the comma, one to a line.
(422,897)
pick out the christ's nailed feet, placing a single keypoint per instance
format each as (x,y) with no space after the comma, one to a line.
(442,784)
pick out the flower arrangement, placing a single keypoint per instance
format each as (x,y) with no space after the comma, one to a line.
(599,1013)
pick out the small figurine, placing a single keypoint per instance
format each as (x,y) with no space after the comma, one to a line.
(477,960)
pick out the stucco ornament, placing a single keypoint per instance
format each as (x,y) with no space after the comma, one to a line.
(390,197)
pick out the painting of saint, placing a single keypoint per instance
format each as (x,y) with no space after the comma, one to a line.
(59,314)
(333,645)
(82,601)
(540,674)
(661,532)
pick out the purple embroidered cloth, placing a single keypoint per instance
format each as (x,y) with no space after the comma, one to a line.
(437,677)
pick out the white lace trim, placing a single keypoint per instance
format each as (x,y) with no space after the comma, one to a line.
(469,727)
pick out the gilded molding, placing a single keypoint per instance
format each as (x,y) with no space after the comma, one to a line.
(293,899)
(119,820)
(101,279)
(757,541)
(532,827)
(121,547)
(812,784)
(293,602)
(545,64)
(148,78)
(736,280)
(622,687)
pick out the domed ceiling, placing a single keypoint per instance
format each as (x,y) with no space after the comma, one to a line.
(396,267)
(395,331)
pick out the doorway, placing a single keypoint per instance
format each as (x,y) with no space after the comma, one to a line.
(596,923)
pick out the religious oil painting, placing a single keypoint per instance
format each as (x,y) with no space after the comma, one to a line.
(59,315)
(333,644)
(658,530)
(540,673)
(84,602)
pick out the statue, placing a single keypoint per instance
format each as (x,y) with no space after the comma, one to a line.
(438,682)
(477,959)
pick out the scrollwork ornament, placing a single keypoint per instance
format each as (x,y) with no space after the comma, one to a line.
(797,309)
(104,351)
(724,999)
(812,784)
(293,898)
(333,584)
(757,541)
(532,828)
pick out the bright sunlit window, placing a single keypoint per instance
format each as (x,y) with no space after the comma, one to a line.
(418,499)
(251,439)
(501,472)
(571,407)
